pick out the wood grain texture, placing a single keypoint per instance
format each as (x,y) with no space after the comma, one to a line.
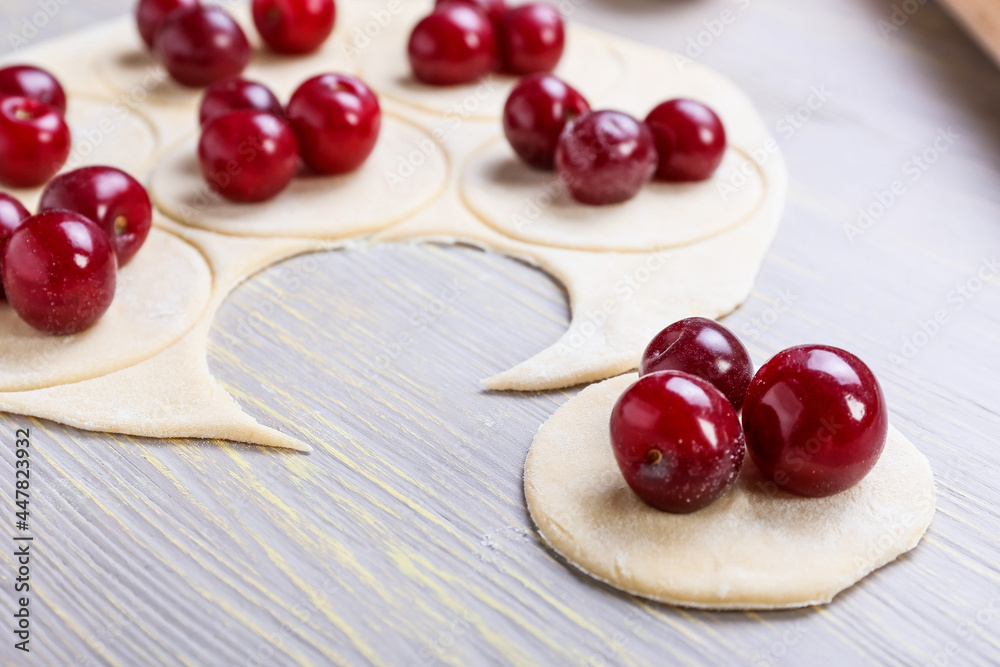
(403,540)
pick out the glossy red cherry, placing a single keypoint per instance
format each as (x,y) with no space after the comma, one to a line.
(248,156)
(294,26)
(235,94)
(493,9)
(703,348)
(536,114)
(815,420)
(677,441)
(150,15)
(690,140)
(34,142)
(202,45)
(336,119)
(531,38)
(59,272)
(605,157)
(12,214)
(454,44)
(33,82)
(111,199)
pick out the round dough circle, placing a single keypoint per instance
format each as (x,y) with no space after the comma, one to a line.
(754,548)
(406,171)
(105,133)
(161,293)
(590,62)
(532,206)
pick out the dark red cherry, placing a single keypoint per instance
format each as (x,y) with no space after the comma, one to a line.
(703,348)
(150,15)
(690,140)
(493,9)
(815,420)
(59,272)
(34,142)
(235,94)
(336,119)
(12,214)
(294,26)
(111,199)
(536,114)
(33,82)
(531,38)
(677,441)
(454,44)
(248,156)
(202,45)
(605,157)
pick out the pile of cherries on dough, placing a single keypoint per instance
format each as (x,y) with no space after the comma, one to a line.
(251,146)
(606,157)
(58,268)
(462,41)
(814,419)
(35,140)
(602,157)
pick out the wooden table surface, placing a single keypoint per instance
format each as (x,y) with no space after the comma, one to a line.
(404,540)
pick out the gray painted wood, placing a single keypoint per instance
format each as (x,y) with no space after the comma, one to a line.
(404,540)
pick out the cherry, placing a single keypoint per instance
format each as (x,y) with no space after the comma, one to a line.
(454,44)
(815,420)
(536,113)
(677,440)
(690,140)
(150,15)
(531,38)
(248,156)
(234,94)
(33,82)
(34,142)
(703,348)
(12,214)
(294,26)
(202,45)
(336,119)
(59,272)
(605,157)
(111,199)
(493,9)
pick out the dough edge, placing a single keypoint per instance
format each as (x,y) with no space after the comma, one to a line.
(782,600)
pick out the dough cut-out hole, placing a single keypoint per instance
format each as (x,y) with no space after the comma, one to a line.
(388,311)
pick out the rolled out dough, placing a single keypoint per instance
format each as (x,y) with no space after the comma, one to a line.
(755,548)
(624,282)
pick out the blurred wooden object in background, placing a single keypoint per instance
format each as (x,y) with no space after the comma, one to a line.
(982,18)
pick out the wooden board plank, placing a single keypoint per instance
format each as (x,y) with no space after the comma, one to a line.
(404,540)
